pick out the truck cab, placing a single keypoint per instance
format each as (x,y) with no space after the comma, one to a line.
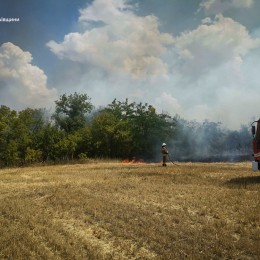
(256,145)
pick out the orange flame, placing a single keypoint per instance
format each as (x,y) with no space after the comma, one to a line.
(133,161)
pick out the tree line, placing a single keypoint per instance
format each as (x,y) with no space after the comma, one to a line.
(121,130)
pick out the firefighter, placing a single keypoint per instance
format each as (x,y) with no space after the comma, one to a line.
(164,153)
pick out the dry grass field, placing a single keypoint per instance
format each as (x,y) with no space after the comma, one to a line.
(130,211)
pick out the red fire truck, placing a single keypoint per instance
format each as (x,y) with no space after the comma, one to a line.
(256,145)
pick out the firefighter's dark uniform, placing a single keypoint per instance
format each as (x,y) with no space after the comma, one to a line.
(164,155)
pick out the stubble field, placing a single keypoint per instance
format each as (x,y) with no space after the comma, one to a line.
(130,211)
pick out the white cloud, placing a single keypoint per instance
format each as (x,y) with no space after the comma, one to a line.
(20,82)
(211,45)
(122,55)
(125,43)
(106,11)
(220,6)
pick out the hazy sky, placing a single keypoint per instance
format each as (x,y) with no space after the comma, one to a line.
(196,58)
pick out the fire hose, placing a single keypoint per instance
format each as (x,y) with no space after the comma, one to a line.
(172,161)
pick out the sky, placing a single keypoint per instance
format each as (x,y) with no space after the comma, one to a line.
(199,59)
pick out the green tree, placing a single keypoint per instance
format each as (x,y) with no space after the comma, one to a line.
(110,136)
(7,118)
(135,126)
(70,113)
(150,129)
(85,142)
(121,110)
(46,140)
(11,155)
(33,155)
(16,132)
(29,122)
